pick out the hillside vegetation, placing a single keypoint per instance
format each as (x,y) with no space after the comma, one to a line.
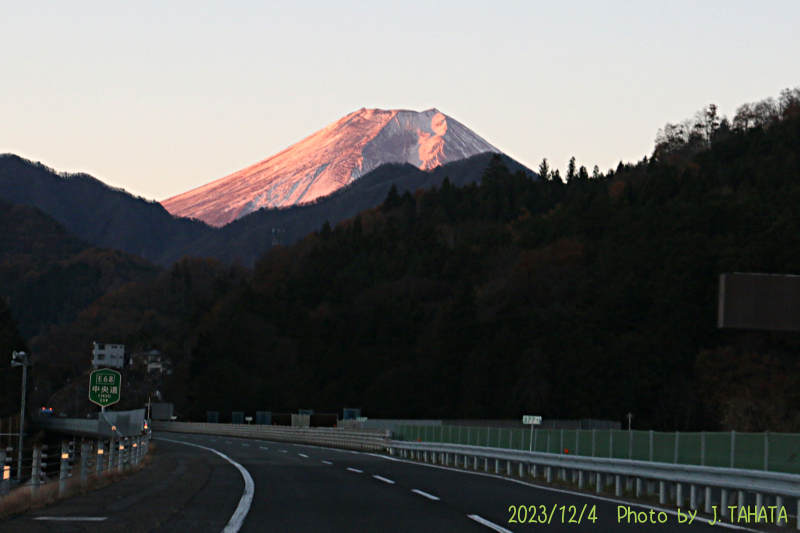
(589,296)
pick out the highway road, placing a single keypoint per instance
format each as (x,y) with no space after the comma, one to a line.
(200,483)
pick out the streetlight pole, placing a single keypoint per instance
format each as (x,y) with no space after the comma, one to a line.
(21,359)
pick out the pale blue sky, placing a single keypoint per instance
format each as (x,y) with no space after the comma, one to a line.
(161,97)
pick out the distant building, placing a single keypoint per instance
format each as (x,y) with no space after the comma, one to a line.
(108,355)
(153,361)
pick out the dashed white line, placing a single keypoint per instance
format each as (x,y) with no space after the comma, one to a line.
(243,444)
(429,496)
(263,447)
(303,455)
(389,481)
(490,525)
(327,462)
(357,471)
(283,451)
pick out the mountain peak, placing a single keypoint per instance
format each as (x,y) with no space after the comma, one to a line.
(332,158)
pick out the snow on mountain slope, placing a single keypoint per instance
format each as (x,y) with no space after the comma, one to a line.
(330,159)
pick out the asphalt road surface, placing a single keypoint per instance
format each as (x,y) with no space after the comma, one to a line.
(297,488)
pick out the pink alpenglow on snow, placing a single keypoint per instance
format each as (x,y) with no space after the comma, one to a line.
(330,159)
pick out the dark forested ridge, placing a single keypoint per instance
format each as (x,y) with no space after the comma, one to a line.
(593,296)
(108,217)
(101,215)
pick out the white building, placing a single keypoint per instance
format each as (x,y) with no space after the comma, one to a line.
(108,355)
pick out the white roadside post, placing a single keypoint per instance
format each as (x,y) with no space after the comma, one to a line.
(531,421)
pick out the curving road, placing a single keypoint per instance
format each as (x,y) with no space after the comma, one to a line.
(300,488)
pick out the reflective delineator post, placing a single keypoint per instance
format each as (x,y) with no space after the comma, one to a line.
(5,482)
(63,473)
(98,465)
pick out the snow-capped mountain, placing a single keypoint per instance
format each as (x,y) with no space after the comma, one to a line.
(330,159)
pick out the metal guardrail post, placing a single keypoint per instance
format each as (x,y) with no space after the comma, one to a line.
(121,456)
(63,473)
(778,508)
(723,503)
(85,456)
(112,452)
(36,470)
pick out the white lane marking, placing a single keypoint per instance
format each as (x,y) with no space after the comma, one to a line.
(580,494)
(243,444)
(228,442)
(356,470)
(429,496)
(72,518)
(283,451)
(236,521)
(389,481)
(384,457)
(263,447)
(303,455)
(490,525)
(327,462)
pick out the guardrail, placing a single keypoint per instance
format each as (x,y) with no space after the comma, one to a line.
(71,464)
(372,440)
(706,485)
(717,484)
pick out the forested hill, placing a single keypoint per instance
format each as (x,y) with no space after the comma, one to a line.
(104,216)
(590,298)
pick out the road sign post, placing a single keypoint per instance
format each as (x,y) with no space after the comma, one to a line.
(532,421)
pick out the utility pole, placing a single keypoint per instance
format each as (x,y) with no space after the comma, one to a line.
(21,359)
(630,417)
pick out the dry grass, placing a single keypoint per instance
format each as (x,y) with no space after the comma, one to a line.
(20,501)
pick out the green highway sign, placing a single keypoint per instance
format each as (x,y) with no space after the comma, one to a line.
(104,387)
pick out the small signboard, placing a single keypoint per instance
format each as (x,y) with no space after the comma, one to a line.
(105,386)
(530,419)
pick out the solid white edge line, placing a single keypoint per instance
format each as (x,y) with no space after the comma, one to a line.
(237,519)
(582,494)
(490,525)
(356,470)
(389,481)
(429,496)
(72,518)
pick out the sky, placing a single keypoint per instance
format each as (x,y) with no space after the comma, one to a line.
(161,97)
